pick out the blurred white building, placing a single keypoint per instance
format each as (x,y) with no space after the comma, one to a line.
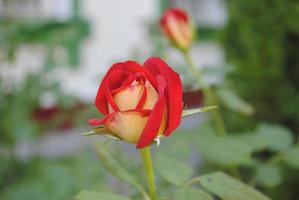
(117,28)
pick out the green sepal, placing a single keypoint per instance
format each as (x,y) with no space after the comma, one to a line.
(198,110)
(101,130)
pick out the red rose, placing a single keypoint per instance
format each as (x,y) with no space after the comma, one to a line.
(140,102)
(177,28)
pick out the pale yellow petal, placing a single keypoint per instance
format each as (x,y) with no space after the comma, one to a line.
(152,96)
(128,98)
(180,31)
(128,125)
(163,123)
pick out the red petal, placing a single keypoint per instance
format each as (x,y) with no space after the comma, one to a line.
(129,80)
(142,99)
(155,119)
(174,92)
(178,13)
(96,122)
(116,79)
(101,102)
(103,121)
(113,81)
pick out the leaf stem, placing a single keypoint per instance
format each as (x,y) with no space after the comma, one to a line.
(208,93)
(149,172)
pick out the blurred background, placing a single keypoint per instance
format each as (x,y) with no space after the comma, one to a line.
(53,54)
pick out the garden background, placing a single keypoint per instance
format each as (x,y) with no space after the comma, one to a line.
(54,53)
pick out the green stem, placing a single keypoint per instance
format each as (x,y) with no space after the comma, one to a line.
(149,172)
(208,93)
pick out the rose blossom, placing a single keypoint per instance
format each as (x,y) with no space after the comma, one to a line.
(139,102)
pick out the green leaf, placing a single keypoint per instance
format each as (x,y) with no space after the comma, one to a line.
(228,188)
(117,169)
(268,175)
(275,137)
(188,193)
(253,140)
(232,101)
(179,140)
(89,195)
(267,136)
(291,157)
(226,151)
(198,110)
(172,169)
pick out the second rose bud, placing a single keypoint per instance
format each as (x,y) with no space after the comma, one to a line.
(178,28)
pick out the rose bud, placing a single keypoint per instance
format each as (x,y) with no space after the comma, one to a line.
(140,103)
(177,27)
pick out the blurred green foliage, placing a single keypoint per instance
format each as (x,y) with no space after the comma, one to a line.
(177,177)
(19,105)
(16,109)
(42,178)
(261,40)
(14,33)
